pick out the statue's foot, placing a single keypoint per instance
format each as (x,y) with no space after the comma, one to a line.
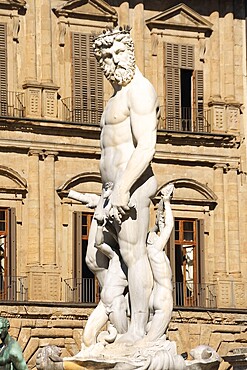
(167,191)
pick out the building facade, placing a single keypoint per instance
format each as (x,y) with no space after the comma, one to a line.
(52,94)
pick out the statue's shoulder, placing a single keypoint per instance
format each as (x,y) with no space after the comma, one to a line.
(14,348)
(141,92)
(141,85)
(141,80)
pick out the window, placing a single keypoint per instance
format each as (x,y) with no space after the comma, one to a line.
(8,282)
(186,252)
(183,110)
(185,261)
(87,77)
(85,286)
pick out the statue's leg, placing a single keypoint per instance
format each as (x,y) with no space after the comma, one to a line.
(132,242)
(96,261)
(98,264)
(96,321)
(162,300)
(112,295)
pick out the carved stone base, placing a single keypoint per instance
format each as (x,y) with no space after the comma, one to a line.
(151,356)
(160,355)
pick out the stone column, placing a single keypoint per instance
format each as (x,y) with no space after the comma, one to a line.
(123,19)
(220,238)
(233,252)
(46,42)
(33,255)
(31,45)
(215,70)
(48,210)
(138,35)
(229,54)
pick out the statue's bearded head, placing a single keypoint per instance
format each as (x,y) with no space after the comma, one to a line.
(114,51)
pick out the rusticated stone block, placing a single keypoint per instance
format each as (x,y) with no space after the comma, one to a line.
(205,334)
(194,329)
(71,347)
(40,323)
(194,340)
(31,348)
(215,340)
(59,342)
(65,323)
(52,333)
(24,337)
(77,336)
(30,323)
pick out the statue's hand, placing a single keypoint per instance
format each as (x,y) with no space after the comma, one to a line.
(119,203)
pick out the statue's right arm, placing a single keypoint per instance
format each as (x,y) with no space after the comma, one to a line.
(90,200)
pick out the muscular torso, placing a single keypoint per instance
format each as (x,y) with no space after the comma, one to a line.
(117,143)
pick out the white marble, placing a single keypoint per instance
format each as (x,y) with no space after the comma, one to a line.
(128,260)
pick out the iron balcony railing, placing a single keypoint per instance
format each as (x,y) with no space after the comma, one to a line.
(84,290)
(184,119)
(190,294)
(12,104)
(82,110)
(195,295)
(173,118)
(13,288)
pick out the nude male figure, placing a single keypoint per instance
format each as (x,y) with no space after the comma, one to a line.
(128,140)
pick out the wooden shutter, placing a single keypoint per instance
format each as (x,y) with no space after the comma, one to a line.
(3,70)
(176,57)
(186,56)
(170,251)
(201,253)
(12,283)
(172,87)
(173,98)
(77,255)
(12,243)
(198,87)
(87,81)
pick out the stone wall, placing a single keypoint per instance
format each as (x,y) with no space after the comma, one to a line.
(37,325)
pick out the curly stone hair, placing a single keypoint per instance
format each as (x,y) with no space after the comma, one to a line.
(107,38)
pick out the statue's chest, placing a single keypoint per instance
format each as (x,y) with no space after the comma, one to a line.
(116,110)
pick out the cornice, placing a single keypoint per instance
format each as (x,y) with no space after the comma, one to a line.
(13,4)
(180,17)
(198,139)
(87,9)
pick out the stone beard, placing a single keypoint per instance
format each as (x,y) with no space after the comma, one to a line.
(123,70)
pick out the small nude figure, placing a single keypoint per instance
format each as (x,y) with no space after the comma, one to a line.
(113,304)
(11,357)
(162,300)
